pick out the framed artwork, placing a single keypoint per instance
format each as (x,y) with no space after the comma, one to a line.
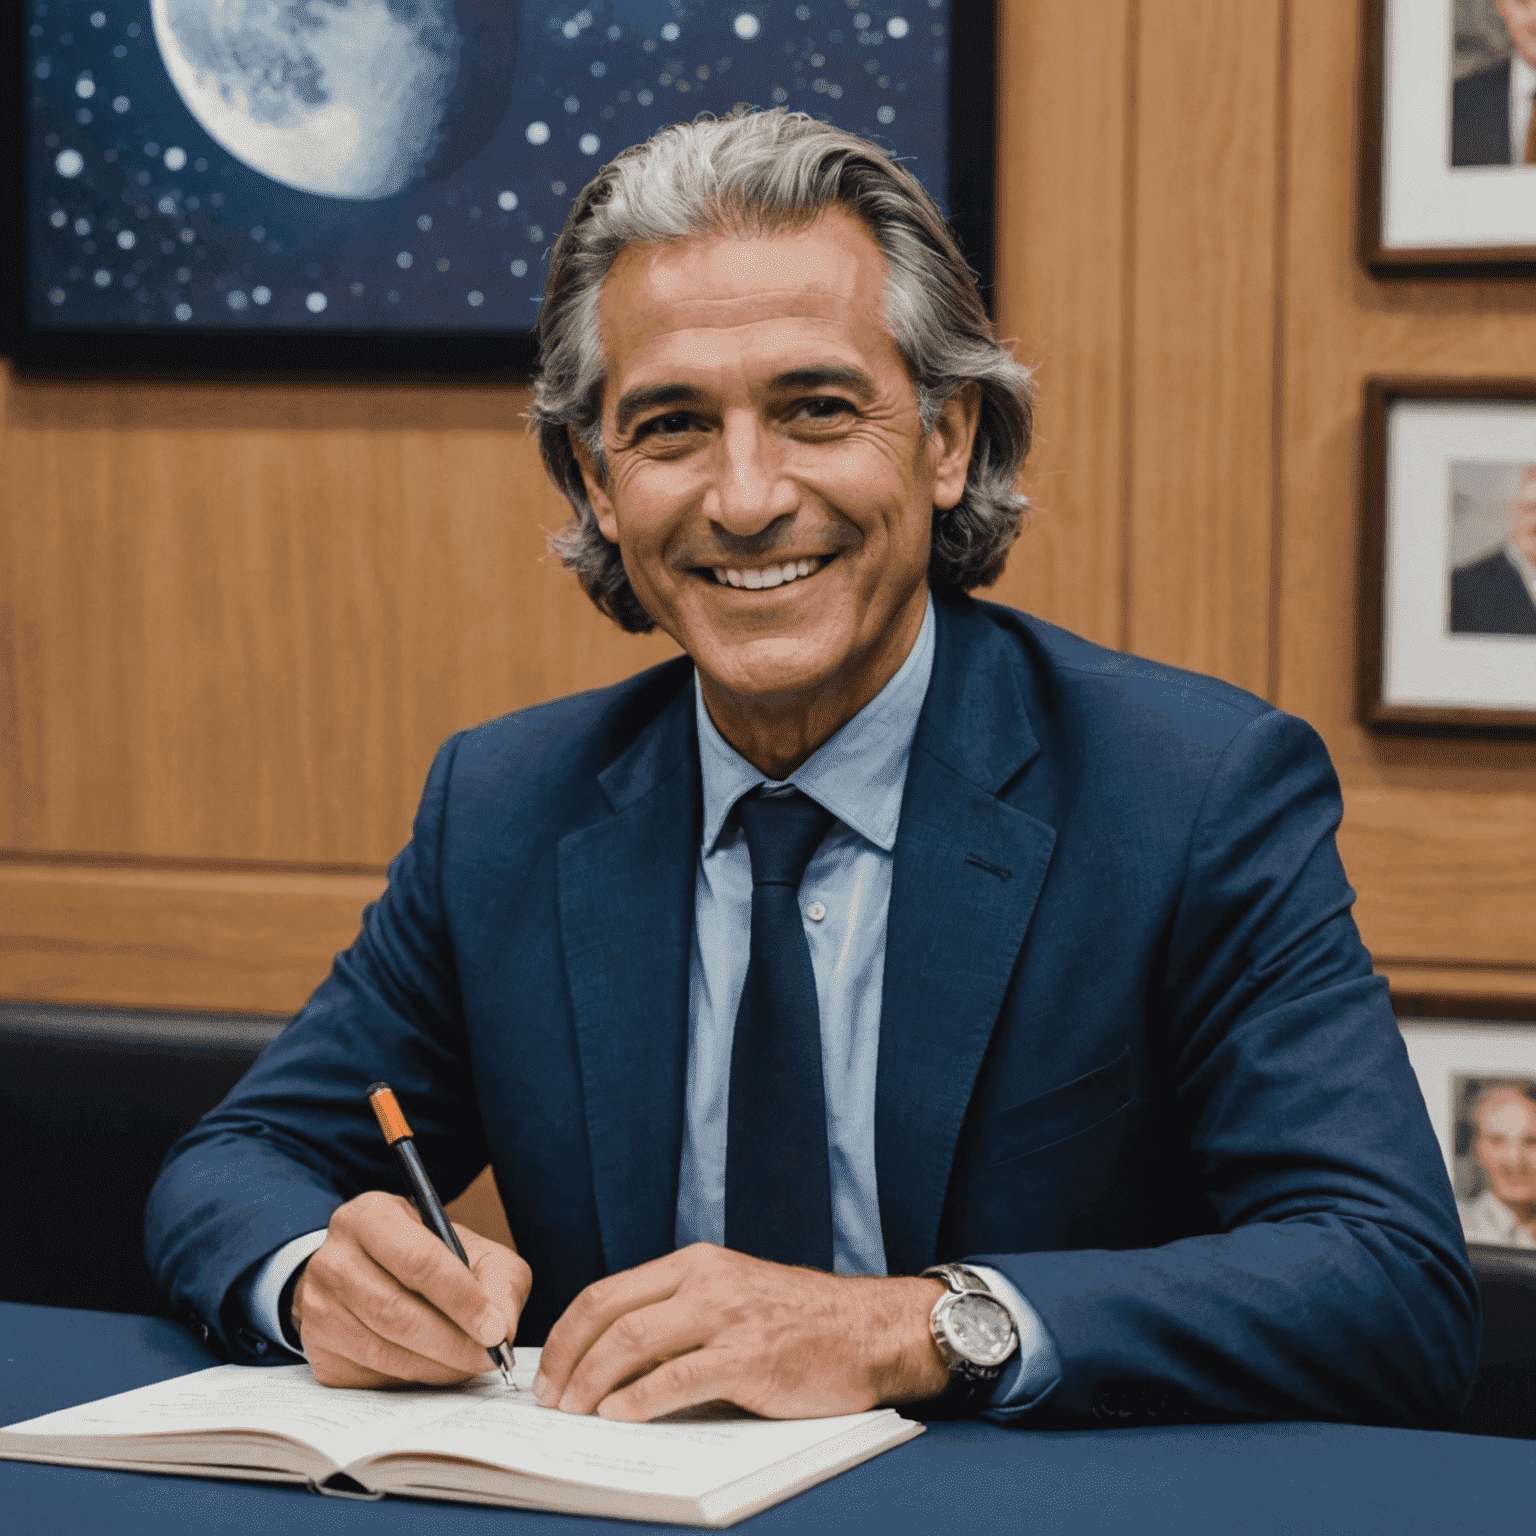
(1449,173)
(365,187)
(1479,1085)
(1448,559)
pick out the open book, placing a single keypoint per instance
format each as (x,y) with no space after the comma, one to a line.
(480,1443)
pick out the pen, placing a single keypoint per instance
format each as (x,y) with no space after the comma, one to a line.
(398,1134)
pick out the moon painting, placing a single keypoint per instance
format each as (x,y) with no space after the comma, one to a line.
(396,166)
(345,98)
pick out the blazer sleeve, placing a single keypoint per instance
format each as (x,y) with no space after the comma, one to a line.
(1335,1282)
(295,1138)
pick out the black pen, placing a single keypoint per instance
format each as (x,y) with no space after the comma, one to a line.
(398,1134)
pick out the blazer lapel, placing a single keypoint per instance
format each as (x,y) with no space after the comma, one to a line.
(626,888)
(968,871)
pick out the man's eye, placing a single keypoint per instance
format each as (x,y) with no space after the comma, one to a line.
(824,408)
(673,424)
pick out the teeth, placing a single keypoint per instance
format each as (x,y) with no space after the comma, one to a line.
(771,576)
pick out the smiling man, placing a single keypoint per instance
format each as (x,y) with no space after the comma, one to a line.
(895,998)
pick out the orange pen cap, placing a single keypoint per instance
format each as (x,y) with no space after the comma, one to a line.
(390,1116)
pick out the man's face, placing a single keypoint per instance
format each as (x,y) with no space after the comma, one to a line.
(1522,511)
(1505,1148)
(769,483)
(1520,17)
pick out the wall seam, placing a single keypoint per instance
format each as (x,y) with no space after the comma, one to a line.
(1277,395)
(1128,312)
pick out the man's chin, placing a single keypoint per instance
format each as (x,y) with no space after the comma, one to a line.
(766,672)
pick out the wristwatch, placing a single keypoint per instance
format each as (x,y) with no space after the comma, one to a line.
(973,1332)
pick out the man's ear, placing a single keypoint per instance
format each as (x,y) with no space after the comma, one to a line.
(953,435)
(596,487)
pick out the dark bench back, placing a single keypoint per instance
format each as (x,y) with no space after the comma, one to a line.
(90,1102)
(1504,1396)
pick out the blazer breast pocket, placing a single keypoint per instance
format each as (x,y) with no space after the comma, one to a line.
(1038,1123)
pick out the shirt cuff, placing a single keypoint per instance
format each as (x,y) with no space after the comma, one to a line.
(260,1294)
(1037,1366)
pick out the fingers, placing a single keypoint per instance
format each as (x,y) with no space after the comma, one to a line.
(705,1323)
(593,1312)
(344,1350)
(389,1232)
(701,1376)
(383,1300)
(633,1344)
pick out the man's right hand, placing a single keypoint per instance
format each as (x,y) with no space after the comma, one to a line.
(384,1301)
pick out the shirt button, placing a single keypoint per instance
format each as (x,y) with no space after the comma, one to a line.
(815,911)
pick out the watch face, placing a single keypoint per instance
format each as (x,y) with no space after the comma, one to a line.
(980,1328)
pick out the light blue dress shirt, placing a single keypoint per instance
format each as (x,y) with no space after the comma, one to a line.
(859,775)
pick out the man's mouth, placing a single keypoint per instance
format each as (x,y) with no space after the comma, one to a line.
(755,578)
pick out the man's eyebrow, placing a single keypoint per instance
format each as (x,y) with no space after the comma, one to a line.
(816,376)
(823,374)
(630,405)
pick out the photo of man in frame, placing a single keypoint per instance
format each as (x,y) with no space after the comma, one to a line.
(1496,1159)
(1494,83)
(1492,549)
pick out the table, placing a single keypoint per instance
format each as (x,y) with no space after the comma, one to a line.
(1238,1480)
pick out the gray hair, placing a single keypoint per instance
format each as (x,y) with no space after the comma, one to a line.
(765,171)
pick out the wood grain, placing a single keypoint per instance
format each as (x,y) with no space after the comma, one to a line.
(1438,831)
(200,939)
(1204,284)
(237,621)
(1459,992)
(1064,115)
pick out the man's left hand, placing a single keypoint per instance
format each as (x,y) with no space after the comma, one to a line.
(707,1324)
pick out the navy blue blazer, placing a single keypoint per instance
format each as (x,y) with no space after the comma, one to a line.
(1132,1051)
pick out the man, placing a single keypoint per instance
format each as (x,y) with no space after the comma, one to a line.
(1491,121)
(1496,595)
(1504,1147)
(882,929)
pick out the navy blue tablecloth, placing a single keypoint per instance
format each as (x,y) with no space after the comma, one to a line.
(1263,1479)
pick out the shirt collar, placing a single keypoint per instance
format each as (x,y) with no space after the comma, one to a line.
(857,774)
(1522,77)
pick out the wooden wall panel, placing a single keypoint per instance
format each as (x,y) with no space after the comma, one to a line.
(236,620)
(239,620)
(1065,103)
(1202,380)
(145,936)
(1438,831)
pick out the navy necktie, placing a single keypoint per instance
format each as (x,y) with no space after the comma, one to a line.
(778,1189)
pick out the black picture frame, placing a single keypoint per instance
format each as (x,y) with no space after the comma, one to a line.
(414,352)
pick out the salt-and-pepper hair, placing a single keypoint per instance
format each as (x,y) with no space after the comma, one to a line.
(757,172)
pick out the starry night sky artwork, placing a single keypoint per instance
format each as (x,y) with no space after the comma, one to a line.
(402,165)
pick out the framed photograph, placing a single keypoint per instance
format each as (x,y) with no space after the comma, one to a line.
(1449,174)
(361,187)
(1479,1085)
(1448,563)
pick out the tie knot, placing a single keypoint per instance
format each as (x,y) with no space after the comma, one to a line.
(782,832)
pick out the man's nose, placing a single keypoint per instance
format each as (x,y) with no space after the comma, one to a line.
(749,490)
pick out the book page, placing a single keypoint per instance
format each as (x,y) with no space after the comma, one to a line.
(686,1459)
(286,1401)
